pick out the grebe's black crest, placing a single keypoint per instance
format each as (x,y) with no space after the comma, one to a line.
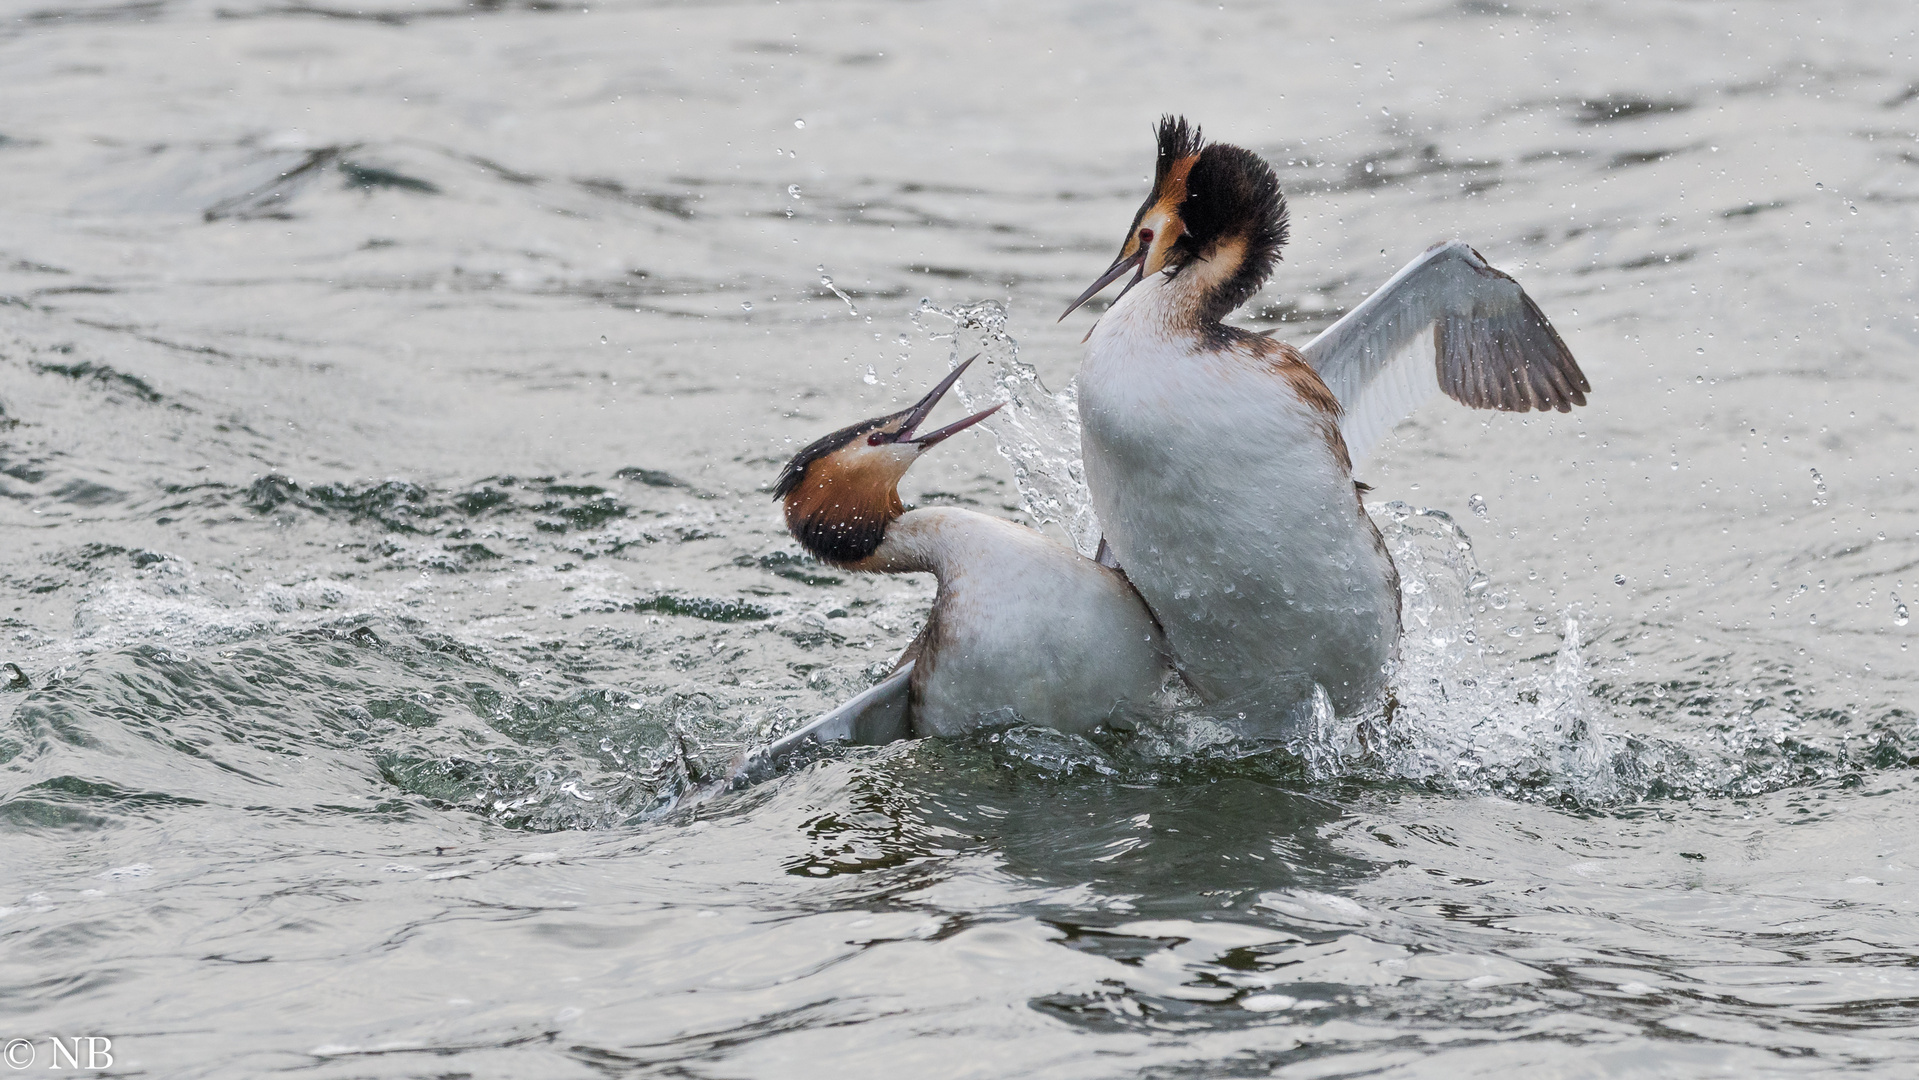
(1232,195)
(1177,139)
(795,470)
(1213,207)
(1179,144)
(901,426)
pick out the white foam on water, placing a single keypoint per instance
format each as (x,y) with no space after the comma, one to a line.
(171,604)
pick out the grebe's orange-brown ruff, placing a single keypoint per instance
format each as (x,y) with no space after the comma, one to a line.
(1220,461)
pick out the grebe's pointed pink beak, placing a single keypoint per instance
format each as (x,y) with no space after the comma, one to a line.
(924,441)
(1113,273)
(924,407)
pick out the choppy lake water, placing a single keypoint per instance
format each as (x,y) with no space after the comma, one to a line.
(389,394)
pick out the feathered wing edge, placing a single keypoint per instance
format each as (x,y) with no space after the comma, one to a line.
(878,715)
(1511,360)
(1447,323)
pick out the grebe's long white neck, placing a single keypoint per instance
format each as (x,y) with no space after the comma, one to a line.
(940,541)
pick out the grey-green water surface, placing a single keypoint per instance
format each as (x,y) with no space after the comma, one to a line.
(389,390)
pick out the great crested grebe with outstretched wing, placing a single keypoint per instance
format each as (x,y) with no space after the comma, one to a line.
(1220,461)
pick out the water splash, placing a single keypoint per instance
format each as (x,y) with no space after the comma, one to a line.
(1468,718)
(1038,431)
(1464,716)
(1459,720)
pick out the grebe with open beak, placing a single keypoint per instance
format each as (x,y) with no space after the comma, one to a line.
(1020,625)
(1220,461)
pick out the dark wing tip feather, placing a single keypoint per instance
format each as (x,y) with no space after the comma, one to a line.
(1566,366)
(1512,360)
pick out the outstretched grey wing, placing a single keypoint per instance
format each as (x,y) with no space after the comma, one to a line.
(873,717)
(880,714)
(1447,322)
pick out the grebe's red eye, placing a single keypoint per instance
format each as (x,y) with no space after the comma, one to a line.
(875,439)
(1146,238)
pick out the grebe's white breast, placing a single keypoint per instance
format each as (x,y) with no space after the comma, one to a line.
(1022,623)
(1224,491)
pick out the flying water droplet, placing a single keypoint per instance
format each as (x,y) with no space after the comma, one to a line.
(1478,505)
(746,305)
(827,280)
(1899,615)
(1619,579)
(1818,489)
(871,378)
(793,190)
(799,123)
